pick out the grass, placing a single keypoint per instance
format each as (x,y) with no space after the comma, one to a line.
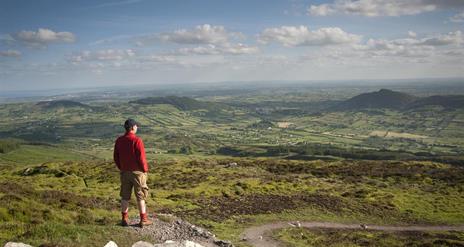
(36,154)
(226,200)
(62,234)
(319,237)
(54,206)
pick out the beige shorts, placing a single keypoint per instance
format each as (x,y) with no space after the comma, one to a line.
(136,180)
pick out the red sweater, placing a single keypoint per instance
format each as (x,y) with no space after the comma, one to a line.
(129,153)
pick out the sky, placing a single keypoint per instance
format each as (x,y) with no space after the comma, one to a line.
(46,44)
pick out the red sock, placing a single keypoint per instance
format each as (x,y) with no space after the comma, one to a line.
(143,216)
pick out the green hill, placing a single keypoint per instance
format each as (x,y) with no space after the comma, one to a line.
(446,101)
(60,104)
(384,98)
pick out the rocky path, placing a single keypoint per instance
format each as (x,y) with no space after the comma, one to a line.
(258,236)
(176,229)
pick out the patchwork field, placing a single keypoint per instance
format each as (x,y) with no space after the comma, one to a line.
(235,162)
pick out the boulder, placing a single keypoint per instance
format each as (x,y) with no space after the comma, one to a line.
(191,244)
(186,243)
(111,244)
(142,244)
(223,243)
(231,165)
(13,244)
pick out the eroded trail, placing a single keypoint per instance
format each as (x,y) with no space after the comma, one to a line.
(258,236)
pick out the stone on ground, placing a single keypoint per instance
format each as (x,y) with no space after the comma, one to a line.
(13,244)
(111,244)
(142,244)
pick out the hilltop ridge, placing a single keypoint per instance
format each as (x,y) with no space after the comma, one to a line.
(60,103)
(386,98)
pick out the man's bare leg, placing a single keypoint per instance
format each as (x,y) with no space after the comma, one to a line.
(141,206)
(144,221)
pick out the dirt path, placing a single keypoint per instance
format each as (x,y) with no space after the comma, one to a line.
(259,235)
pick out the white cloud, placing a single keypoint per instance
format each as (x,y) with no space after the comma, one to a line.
(102,55)
(441,49)
(238,49)
(373,8)
(205,34)
(458,17)
(321,10)
(301,36)
(412,46)
(225,49)
(43,37)
(396,48)
(455,53)
(128,59)
(10,53)
(451,38)
(213,40)
(200,50)
(202,34)
(165,59)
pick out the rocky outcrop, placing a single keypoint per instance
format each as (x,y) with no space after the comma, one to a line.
(169,243)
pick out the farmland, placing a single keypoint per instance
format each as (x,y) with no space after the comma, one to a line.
(295,156)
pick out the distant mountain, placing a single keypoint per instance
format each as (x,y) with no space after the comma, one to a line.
(60,104)
(446,101)
(384,98)
(181,103)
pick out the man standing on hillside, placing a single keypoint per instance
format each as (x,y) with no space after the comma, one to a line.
(129,156)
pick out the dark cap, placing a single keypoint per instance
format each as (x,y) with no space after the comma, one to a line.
(130,123)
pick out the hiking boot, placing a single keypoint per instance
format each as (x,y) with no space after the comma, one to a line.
(125,219)
(144,221)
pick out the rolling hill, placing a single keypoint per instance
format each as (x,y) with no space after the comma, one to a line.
(388,99)
(60,104)
(384,98)
(446,101)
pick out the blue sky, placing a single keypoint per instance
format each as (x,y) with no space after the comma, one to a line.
(71,44)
